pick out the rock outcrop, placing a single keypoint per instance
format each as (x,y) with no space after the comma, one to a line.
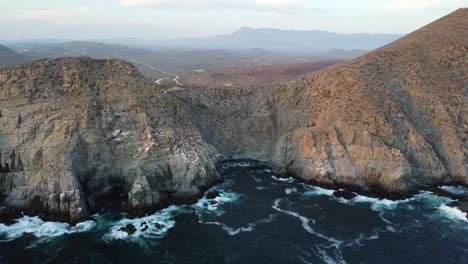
(75,130)
(392,121)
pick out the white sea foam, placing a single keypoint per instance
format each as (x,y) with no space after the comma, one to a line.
(453,213)
(373,236)
(327,258)
(256,179)
(378,204)
(305,223)
(458,190)
(232,231)
(157,225)
(206,205)
(41,229)
(316,191)
(286,180)
(290,190)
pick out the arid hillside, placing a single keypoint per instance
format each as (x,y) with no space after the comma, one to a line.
(257,75)
(394,119)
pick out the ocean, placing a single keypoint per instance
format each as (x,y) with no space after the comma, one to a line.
(257,218)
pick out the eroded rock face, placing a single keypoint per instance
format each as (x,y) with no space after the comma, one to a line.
(394,120)
(74,130)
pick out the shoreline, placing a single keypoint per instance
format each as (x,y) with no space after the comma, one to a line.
(9,215)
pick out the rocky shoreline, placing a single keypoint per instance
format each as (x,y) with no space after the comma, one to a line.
(76,131)
(8,215)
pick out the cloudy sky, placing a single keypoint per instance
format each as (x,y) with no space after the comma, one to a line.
(159,19)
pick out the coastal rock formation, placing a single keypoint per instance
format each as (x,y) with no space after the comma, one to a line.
(392,121)
(75,130)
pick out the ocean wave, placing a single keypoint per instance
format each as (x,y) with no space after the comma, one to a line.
(453,213)
(213,206)
(457,190)
(41,229)
(316,191)
(290,190)
(305,223)
(232,231)
(377,204)
(286,180)
(153,226)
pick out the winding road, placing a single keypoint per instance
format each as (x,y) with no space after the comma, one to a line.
(175,77)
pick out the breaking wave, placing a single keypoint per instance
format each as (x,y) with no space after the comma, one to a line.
(40,228)
(453,213)
(457,190)
(153,226)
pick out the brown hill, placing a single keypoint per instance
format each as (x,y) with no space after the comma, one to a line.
(257,75)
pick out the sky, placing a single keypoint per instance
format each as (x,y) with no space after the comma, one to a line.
(163,19)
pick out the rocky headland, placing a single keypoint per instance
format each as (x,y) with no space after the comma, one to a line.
(74,131)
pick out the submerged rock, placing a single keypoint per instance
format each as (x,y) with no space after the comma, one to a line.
(345,194)
(212,194)
(129,229)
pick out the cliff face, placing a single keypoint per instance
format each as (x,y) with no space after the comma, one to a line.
(393,120)
(74,130)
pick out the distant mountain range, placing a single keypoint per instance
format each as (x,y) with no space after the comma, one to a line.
(9,57)
(274,40)
(247,46)
(76,48)
(293,41)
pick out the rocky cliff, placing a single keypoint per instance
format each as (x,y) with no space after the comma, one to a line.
(75,130)
(394,120)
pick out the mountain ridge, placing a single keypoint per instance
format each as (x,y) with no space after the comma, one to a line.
(9,57)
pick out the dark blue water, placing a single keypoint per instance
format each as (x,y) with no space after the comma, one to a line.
(257,219)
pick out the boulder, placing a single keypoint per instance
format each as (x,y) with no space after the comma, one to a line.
(212,194)
(344,194)
(129,229)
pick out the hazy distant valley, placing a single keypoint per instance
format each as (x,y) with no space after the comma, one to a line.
(220,54)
